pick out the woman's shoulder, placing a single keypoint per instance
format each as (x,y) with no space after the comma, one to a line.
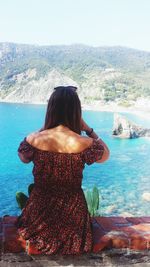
(91,144)
(47,141)
(85,142)
(70,144)
(32,138)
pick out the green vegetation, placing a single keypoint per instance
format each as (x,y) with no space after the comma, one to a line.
(106,73)
(124,103)
(21,198)
(92,199)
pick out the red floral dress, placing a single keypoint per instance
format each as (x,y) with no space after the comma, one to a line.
(56,218)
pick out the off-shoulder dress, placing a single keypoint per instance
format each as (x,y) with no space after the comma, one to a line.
(56,218)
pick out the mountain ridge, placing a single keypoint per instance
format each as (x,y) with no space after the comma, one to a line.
(101,73)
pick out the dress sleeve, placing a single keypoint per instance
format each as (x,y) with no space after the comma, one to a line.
(26,150)
(93,153)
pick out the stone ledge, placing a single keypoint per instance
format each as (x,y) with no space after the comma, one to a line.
(105,258)
(130,235)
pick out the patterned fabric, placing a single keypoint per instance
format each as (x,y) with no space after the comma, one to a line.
(56,218)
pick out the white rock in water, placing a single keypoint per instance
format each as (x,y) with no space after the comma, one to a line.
(111,208)
(125,128)
(146,196)
(126,214)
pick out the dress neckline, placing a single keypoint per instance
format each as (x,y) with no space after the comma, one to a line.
(61,153)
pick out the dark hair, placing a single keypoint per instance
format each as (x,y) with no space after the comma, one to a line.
(64,108)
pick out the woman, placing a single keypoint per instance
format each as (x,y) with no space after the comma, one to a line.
(56,218)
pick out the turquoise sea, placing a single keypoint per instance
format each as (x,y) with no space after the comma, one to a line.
(122,180)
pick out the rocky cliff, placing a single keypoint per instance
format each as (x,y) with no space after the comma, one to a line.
(30,90)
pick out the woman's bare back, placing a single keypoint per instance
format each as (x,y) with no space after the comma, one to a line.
(59,139)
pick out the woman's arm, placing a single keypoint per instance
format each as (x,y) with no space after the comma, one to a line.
(26,151)
(106,151)
(23,158)
(91,133)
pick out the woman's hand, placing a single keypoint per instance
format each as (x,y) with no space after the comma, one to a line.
(89,131)
(84,126)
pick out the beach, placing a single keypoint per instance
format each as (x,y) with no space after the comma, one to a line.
(139,110)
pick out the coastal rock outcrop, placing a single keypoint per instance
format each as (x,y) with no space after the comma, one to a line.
(124,128)
(146,196)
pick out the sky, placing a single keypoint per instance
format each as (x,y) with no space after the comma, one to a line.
(89,22)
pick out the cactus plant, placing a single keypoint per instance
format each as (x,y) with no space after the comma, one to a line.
(92,199)
(95,198)
(21,198)
(89,201)
(30,188)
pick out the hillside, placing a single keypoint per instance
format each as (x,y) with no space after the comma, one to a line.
(28,73)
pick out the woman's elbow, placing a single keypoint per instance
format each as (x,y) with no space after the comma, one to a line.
(22,158)
(105,156)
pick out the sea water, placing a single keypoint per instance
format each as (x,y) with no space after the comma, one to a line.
(122,181)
